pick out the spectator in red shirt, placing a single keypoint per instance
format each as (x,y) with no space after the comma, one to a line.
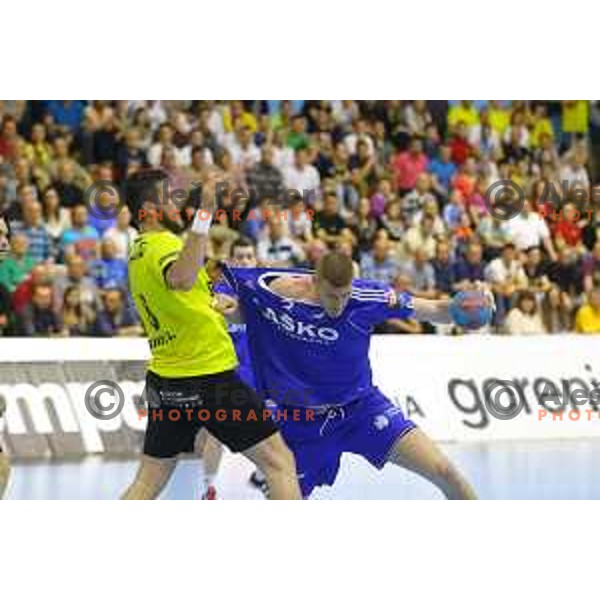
(459,145)
(567,228)
(408,165)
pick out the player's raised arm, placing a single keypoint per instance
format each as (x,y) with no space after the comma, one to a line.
(183,272)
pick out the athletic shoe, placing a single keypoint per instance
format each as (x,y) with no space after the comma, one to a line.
(210,493)
(258,480)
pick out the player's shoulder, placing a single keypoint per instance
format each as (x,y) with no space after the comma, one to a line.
(366,291)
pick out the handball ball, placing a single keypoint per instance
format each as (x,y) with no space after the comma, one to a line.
(471,310)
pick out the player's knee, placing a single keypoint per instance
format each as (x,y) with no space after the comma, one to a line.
(150,480)
(4,472)
(277,458)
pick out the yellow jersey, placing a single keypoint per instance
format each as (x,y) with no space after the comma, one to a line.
(187,336)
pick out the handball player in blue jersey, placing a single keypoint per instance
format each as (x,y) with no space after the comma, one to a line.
(309,336)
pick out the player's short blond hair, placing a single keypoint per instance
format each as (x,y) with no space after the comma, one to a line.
(336,268)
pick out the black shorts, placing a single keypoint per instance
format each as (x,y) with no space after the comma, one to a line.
(179,407)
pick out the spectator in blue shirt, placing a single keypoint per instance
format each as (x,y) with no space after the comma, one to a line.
(40,243)
(116,318)
(470,269)
(444,269)
(109,271)
(81,237)
(67,113)
(443,170)
(378,264)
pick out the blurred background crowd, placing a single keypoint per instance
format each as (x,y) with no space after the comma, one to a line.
(398,185)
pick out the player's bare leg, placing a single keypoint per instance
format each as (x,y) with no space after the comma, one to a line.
(277,463)
(210,450)
(418,453)
(4,473)
(152,476)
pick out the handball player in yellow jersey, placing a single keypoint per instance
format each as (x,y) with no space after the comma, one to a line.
(192,369)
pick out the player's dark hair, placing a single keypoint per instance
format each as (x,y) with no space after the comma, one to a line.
(336,268)
(142,187)
(241,242)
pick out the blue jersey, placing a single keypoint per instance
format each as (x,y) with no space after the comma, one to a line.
(300,355)
(237,331)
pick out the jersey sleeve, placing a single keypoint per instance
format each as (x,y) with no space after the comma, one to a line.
(388,304)
(163,253)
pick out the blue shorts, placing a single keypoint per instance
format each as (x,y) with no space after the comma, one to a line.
(369,427)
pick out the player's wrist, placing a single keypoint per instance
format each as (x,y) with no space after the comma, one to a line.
(201,222)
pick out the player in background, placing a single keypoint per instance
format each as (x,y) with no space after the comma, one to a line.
(310,335)
(4,461)
(193,360)
(242,254)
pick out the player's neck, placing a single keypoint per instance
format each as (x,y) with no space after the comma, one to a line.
(150,226)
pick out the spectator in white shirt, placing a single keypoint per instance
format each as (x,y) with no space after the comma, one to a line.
(574,172)
(528,229)
(302,175)
(244,152)
(507,277)
(122,234)
(525,317)
(278,249)
(165,140)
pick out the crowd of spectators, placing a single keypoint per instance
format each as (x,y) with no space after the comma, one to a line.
(398,185)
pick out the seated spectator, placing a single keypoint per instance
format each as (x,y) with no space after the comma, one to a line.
(566,272)
(525,317)
(408,165)
(328,224)
(122,234)
(264,178)
(528,229)
(421,236)
(444,270)
(109,271)
(392,221)
(362,226)
(80,238)
(300,220)
(536,270)
(414,200)
(39,275)
(69,192)
(494,234)
(302,176)
(421,274)
(39,242)
(557,310)
(314,250)
(454,211)
(507,278)
(77,316)
(115,318)
(76,275)
(278,249)
(378,264)
(568,228)
(57,218)
(470,270)
(17,265)
(587,319)
(442,170)
(38,318)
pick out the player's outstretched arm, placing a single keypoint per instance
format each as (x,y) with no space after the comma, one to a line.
(182,274)
(433,311)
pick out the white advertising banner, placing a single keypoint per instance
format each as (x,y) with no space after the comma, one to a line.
(470,388)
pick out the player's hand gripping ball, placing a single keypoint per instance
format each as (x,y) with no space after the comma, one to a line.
(471,309)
